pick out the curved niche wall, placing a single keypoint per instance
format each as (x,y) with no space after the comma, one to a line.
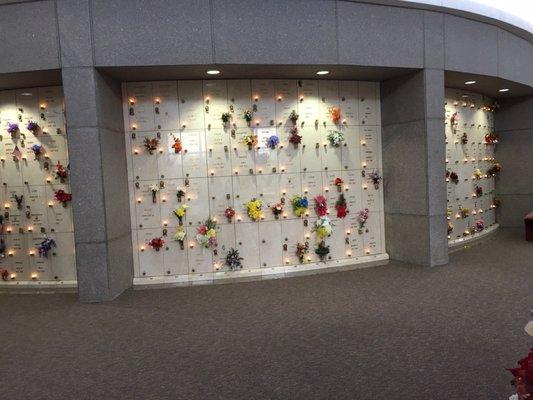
(471,167)
(37,245)
(218,150)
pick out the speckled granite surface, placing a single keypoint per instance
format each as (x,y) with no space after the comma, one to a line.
(391,332)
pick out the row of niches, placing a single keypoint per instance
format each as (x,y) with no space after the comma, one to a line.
(37,239)
(471,166)
(155,203)
(268,244)
(234,104)
(217,153)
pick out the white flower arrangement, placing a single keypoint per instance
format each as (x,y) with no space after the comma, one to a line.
(323,228)
(335,138)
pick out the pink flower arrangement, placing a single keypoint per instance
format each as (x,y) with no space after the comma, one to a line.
(321,205)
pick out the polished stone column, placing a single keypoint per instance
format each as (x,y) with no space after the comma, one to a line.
(412,109)
(514,186)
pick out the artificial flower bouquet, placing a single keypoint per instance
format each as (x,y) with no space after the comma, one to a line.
(338,183)
(180,235)
(335,138)
(335,113)
(180,212)
(362,217)
(293,117)
(45,246)
(233,259)
(491,138)
(299,205)
(322,251)
(295,139)
(248,115)
(60,172)
(229,213)
(154,189)
(33,127)
(37,150)
(277,209)
(341,206)
(225,117)
(323,228)
(253,208)
(523,377)
(180,194)
(494,169)
(454,177)
(12,129)
(321,206)
(272,142)
(62,197)
(478,174)
(375,178)
(479,225)
(151,144)
(206,233)
(156,243)
(250,141)
(464,212)
(177,145)
(302,249)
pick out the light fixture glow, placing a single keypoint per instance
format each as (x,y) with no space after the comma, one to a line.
(213,72)
(470,82)
(322,72)
(503,90)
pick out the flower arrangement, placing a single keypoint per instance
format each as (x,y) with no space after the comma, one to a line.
(454,119)
(253,208)
(464,212)
(38,150)
(478,174)
(299,205)
(248,115)
(180,235)
(180,194)
(491,138)
(375,178)
(156,243)
(45,246)
(277,209)
(273,142)
(62,197)
(479,225)
(321,206)
(322,251)
(177,146)
(229,213)
(33,127)
(293,117)
(151,144)
(494,170)
(302,249)
(207,234)
(233,259)
(154,189)
(464,138)
(60,172)
(225,117)
(335,113)
(250,141)
(323,228)
(496,202)
(341,206)
(454,177)
(180,212)
(12,128)
(478,190)
(523,377)
(335,138)
(362,217)
(339,182)
(450,227)
(295,139)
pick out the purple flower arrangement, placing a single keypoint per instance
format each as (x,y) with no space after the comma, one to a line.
(12,128)
(273,142)
(45,246)
(33,127)
(37,150)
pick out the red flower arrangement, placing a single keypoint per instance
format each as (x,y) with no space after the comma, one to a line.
(60,172)
(5,274)
(523,377)
(321,205)
(177,146)
(491,138)
(339,182)
(341,207)
(151,144)
(229,213)
(62,197)
(335,113)
(277,209)
(156,243)
(295,138)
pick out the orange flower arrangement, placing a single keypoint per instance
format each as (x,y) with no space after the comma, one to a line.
(335,113)
(177,145)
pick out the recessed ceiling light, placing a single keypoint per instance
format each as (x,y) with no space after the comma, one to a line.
(213,72)
(322,72)
(503,90)
(470,82)
(464,96)
(25,94)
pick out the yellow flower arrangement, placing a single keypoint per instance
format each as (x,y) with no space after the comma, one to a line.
(180,212)
(254,209)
